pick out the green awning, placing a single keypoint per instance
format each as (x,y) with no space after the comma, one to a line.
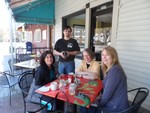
(36,12)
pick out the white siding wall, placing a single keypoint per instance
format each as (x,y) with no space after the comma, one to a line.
(133,42)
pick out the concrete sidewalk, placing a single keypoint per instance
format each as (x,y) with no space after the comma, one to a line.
(15,107)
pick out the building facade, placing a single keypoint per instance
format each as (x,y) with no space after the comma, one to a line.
(129,30)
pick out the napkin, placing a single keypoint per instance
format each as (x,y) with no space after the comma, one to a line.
(44,88)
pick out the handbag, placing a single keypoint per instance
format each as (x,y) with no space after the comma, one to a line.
(32,95)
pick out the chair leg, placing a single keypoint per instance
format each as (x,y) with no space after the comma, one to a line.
(24,107)
(10,95)
(24,104)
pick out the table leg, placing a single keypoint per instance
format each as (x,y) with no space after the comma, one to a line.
(75,108)
(33,72)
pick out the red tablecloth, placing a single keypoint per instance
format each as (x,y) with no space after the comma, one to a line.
(87,87)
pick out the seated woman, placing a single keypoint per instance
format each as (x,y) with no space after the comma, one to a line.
(46,71)
(89,68)
(114,97)
(45,74)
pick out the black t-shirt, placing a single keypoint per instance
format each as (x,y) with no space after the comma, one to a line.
(67,45)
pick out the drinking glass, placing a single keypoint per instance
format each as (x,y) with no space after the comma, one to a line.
(72,89)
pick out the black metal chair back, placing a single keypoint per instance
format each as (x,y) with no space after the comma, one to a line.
(139,95)
(66,103)
(25,82)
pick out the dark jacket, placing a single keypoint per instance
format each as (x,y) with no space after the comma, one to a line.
(44,75)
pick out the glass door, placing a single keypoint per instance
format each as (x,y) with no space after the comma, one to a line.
(101,26)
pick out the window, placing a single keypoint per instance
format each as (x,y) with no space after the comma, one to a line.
(28,35)
(37,35)
(44,34)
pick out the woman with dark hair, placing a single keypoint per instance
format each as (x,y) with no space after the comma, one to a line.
(46,71)
(45,74)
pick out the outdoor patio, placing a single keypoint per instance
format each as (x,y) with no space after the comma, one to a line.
(17,101)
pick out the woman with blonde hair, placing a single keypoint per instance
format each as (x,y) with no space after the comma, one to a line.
(114,96)
(115,60)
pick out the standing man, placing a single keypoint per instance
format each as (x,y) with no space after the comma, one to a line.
(66,48)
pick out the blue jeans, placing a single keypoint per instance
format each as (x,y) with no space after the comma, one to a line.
(66,67)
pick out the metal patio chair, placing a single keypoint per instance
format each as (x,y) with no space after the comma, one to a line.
(139,95)
(25,81)
(9,81)
(14,69)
